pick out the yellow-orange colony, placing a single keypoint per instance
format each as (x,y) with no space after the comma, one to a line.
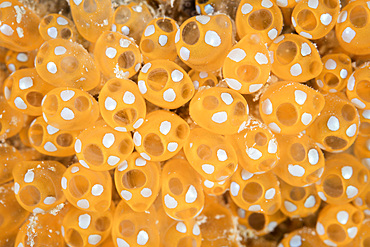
(184,123)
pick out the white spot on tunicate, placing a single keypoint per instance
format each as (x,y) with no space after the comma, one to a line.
(51,67)
(196,229)
(203,74)
(67,114)
(53,32)
(83,203)
(234,84)
(221,155)
(11,67)
(267,107)
(366,114)
(60,50)
(278,39)
(6,30)
(296,69)
(169,95)
(177,75)
(351,131)
(177,36)
(272,33)
(84,221)
(122,243)
(170,202)
(296,170)
(313,4)
(305,49)
(165,127)
(261,58)
(254,208)
(320,229)
(123,166)
(75,169)
(50,147)
(322,196)
(246,8)
(181,227)
(94,239)
(343,73)
(142,86)
(61,21)
(208,184)
(113,160)
(138,123)
(203,19)
(5,4)
(145,156)
(16,188)
(140,162)
(172,146)
(38,211)
(77,2)
(342,16)
(270,193)
(20,104)
(125,30)
(146,192)
(272,146)
(326,19)
(219,117)
(209,9)
(212,38)
(295,241)
(67,94)
(293,22)
(266,3)
(22,57)
(110,104)
(246,175)
(333,123)
(274,127)
(146,67)
(127,195)
(306,35)
(162,40)
(191,195)
(25,83)
(310,202)
(227,98)
(7,93)
(78,146)
(352,232)
(342,217)
(124,43)
(142,238)
(306,118)
(137,67)
(29,176)
(351,191)
(128,98)
(253,153)
(237,55)
(149,30)
(313,156)
(348,34)
(358,103)
(255,87)
(64,183)
(234,188)
(137,139)
(209,169)
(110,52)
(108,140)
(97,190)
(330,64)
(351,83)
(300,97)
(319,83)
(290,207)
